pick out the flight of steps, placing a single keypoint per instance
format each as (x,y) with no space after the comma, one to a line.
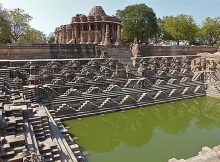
(87,105)
(124,55)
(213,91)
(24,73)
(197,75)
(214,77)
(107,103)
(30,94)
(127,100)
(51,91)
(4,75)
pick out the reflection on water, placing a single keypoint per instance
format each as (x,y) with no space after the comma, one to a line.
(155,133)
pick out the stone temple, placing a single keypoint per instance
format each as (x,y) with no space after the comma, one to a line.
(96,28)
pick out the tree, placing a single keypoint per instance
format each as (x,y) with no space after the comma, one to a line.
(139,21)
(159,35)
(32,36)
(4,26)
(51,37)
(19,23)
(179,28)
(210,31)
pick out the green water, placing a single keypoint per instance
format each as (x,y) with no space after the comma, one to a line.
(152,134)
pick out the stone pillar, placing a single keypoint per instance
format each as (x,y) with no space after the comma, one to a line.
(64,34)
(70,34)
(73,33)
(103,34)
(82,37)
(60,36)
(107,42)
(76,33)
(135,50)
(56,37)
(89,41)
(96,39)
(67,35)
(118,39)
(32,70)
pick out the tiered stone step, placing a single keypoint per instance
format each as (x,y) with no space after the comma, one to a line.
(123,54)
(67,105)
(213,91)
(29,94)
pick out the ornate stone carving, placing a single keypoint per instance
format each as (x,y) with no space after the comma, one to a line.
(90,29)
(135,49)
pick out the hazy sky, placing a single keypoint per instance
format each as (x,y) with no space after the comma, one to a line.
(48,14)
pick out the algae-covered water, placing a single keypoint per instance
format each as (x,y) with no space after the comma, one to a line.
(152,134)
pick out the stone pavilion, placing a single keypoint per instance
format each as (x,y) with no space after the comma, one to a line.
(96,28)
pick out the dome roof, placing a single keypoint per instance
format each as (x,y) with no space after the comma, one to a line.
(97,10)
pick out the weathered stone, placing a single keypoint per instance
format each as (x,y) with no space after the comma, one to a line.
(87,105)
(127,100)
(90,29)
(107,103)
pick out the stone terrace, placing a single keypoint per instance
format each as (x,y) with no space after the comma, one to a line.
(36,95)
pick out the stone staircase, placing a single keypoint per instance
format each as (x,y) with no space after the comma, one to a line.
(30,94)
(197,76)
(128,100)
(214,77)
(24,73)
(213,91)
(123,54)
(48,91)
(88,105)
(160,95)
(4,75)
(107,103)
(145,97)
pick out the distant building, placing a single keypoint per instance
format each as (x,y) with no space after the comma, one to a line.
(96,28)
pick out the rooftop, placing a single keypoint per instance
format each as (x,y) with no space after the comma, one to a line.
(97,10)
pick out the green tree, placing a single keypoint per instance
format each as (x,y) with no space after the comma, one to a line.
(19,23)
(139,22)
(210,31)
(159,35)
(51,37)
(4,26)
(32,36)
(179,28)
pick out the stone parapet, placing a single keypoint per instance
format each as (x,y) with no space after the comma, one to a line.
(47,51)
(151,50)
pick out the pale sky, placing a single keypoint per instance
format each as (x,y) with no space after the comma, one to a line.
(48,14)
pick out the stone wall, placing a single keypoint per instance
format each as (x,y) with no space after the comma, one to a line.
(146,50)
(47,51)
(88,51)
